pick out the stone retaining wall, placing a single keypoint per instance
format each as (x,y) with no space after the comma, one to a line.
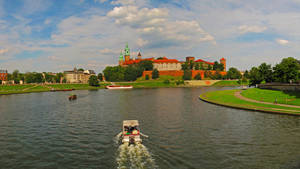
(280,86)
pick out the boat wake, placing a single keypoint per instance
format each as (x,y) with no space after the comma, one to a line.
(134,157)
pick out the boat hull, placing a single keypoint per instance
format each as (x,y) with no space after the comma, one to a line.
(119,87)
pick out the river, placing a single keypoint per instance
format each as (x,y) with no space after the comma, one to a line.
(46,130)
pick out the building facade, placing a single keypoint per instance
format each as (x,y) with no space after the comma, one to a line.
(3,75)
(167,66)
(78,76)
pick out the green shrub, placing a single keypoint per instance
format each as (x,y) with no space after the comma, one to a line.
(198,76)
(147,77)
(166,81)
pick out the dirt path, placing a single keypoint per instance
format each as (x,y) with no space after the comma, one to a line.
(238,95)
(29,88)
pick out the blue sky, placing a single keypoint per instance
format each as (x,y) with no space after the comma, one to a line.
(57,35)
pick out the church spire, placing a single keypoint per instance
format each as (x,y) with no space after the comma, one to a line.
(127,53)
(121,57)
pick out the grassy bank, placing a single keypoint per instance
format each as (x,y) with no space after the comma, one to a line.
(282,97)
(229,83)
(29,88)
(227,98)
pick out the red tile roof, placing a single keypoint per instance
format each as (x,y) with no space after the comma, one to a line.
(200,60)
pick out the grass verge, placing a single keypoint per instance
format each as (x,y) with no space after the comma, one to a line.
(228,83)
(227,98)
(282,97)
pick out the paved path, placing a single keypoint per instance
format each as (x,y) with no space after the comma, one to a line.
(238,95)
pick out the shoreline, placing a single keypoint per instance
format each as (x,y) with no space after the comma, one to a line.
(37,88)
(250,106)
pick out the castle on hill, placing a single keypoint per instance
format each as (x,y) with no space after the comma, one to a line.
(167,66)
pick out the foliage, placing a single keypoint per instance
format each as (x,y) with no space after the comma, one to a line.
(155,74)
(114,74)
(93,81)
(198,76)
(255,77)
(166,81)
(218,66)
(287,70)
(58,77)
(179,82)
(265,72)
(147,77)
(80,69)
(131,73)
(34,77)
(197,66)
(246,74)
(100,77)
(187,75)
(145,65)
(233,73)
(209,67)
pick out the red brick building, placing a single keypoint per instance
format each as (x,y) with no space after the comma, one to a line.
(3,75)
(165,66)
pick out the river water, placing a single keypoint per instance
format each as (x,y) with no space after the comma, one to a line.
(46,130)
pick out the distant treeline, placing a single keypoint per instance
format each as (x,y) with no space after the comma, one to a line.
(287,71)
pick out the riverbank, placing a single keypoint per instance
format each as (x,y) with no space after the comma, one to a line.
(159,83)
(31,88)
(229,98)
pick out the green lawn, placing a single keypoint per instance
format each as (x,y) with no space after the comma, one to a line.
(14,87)
(228,83)
(292,98)
(227,98)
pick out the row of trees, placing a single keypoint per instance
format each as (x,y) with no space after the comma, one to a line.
(129,73)
(200,66)
(287,71)
(35,77)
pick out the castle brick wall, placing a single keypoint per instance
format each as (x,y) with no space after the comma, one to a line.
(178,73)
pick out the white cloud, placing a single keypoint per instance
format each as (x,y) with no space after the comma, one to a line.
(101,1)
(253,28)
(141,42)
(155,26)
(3,51)
(282,41)
(106,51)
(123,2)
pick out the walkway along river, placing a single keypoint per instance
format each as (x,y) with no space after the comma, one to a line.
(46,130)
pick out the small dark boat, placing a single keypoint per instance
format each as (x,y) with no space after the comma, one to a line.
(73,97)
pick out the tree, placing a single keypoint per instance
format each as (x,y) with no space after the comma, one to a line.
(233,73)
(287,70)
(185,66)
(58,77)
(100,77)
(265,72)
(254,76)
(114,73)
(197,66)
(246,74)
(146,65)
(191,65)
(93,81)
(209,67)
(130,73)
(155,74)
(80,69)
(198,76)
(147,77)
(201,66)
(187,75)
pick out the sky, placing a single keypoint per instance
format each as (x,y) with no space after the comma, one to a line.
(58,35)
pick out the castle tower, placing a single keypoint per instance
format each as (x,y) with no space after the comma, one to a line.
(127,53)
(223,61)
(121,59)
(139,56)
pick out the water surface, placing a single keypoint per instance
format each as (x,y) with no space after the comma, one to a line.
(46,130)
